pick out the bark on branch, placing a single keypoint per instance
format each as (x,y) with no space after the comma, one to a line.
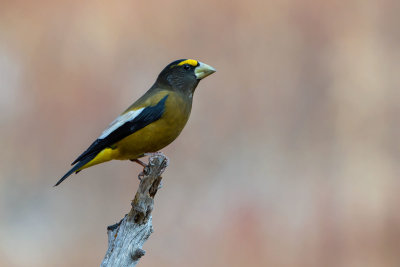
(126,238)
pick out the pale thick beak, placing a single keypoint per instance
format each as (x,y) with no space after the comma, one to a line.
(203,70)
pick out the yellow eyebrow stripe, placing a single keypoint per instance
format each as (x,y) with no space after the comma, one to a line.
(189,62)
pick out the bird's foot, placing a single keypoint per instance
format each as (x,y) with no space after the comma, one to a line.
(143,173)
(145,168)
(140,176)
(141,163)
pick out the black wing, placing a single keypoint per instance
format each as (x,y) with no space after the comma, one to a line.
(147,116)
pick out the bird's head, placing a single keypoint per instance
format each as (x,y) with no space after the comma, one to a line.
(184,75)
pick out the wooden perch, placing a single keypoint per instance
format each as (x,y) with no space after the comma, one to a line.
(126,238)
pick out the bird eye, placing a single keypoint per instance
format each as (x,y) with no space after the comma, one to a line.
(186,67)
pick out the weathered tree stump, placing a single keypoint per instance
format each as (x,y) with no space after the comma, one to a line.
(126,238)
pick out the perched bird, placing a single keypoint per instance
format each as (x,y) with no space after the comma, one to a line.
(152,122)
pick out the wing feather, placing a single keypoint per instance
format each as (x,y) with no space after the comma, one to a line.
(124,125)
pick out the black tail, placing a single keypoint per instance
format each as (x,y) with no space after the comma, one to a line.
(76,168)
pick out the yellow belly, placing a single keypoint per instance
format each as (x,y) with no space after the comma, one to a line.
(151,138)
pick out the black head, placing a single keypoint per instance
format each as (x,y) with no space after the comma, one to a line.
(184,75)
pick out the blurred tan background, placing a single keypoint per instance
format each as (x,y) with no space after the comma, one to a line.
(290,158)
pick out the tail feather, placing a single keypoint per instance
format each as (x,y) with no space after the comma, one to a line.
(76,168)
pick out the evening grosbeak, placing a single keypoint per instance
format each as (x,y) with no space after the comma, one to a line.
(152,122)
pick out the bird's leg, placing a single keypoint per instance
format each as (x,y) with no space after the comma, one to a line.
(145,168)
(139,162)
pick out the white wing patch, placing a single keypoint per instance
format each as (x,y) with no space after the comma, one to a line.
(119,121)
